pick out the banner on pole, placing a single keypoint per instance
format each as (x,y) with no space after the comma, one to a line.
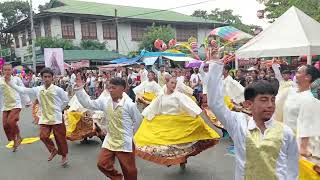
(54,60)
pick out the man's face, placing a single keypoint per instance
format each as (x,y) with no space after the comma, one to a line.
(141,66)
(302,75)
(263,106)
(253,74)
(47,79)
(161,68)
(239,73)
(286,77)
(262,74)
(225,72)
(7,70)
(151,76)
(206,69)
(196,70)
(115,91)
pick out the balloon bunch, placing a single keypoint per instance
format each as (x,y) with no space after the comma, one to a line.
(162,46)
(228,58)
(212,49)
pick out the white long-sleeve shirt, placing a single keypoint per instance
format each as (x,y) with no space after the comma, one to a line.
(238,126)
(52,101)
(204,78)
(147,86)
(120,127)
(18,100)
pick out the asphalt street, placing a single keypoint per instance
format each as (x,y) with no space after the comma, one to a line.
(30,161)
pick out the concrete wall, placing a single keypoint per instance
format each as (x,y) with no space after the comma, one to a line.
(77,31)
(56,27)
(203,32)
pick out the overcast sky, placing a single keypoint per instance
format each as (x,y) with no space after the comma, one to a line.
(245,8)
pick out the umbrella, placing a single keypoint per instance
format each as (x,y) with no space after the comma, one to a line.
(193,64)
(230,33)
(18,68)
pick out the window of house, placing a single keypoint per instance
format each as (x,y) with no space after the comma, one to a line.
(88,29)
(16,40)
(137,31)
(109,31)
(24,39)
(67,28)
(185,32)
(37,30)
(47,28)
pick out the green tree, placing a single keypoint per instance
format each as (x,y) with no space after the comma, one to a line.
(92,45)
(165,33)
(225,16)
(44,7)
(52,42)
(11,12)
(275,8)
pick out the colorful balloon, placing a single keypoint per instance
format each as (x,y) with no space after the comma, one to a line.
(213,43)
(163,47)
(158,44)
(172,43)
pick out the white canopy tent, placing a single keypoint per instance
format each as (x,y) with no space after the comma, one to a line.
(292,34)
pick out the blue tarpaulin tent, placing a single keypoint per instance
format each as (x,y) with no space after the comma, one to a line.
(157,54)
(124,60)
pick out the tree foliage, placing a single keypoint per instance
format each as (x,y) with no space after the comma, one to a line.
(92,45)
(225,16)
(44,7)
(165,33)
(11,12)
(275,8)
(52,42)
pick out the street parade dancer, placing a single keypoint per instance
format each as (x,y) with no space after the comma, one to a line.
(52,100)
(264,148)
(173,129)
(11,104)
(123,119)
(147,90)
(299,109)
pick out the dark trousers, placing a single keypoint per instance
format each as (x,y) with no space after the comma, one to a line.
(106,161)
(59,131)
(10,123)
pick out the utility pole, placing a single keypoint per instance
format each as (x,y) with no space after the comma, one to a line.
(33,34)
(116,24)
(0,50)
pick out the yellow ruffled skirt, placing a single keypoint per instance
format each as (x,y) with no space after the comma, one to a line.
(306,170)
(212,117)
(171,139)
(149,96)
(78,126)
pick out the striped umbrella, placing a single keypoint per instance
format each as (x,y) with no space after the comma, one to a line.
(230,33)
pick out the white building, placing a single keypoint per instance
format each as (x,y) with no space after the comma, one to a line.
(80,20)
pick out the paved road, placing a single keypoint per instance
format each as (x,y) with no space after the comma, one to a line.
(30,163)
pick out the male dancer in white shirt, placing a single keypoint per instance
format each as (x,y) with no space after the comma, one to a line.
(123,120)
(264,147)
(11,104)
(52,100)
